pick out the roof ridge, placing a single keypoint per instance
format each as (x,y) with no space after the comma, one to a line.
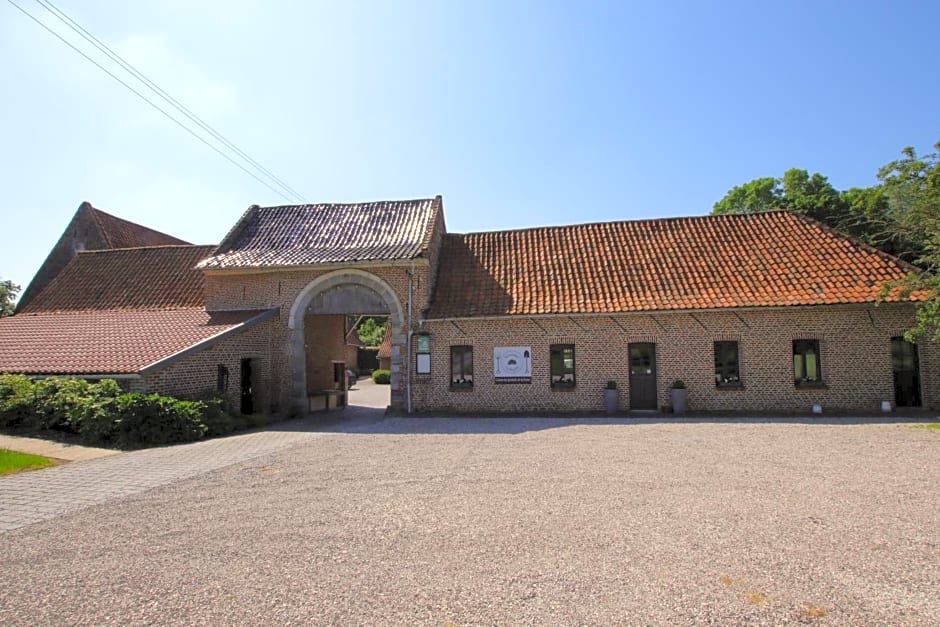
(157,247)
(61,312)
(352,204)
(547,227)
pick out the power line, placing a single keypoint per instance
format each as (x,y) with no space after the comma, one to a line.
(150,102)
(101,46)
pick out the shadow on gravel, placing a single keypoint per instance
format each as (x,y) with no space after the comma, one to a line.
(360,420)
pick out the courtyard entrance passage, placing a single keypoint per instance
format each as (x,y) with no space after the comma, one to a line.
(325,345)
(332,357)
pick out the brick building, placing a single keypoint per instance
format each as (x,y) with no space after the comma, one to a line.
(765,312)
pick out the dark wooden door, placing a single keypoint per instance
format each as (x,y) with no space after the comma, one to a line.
(642,376)
(906,373)
(248,401)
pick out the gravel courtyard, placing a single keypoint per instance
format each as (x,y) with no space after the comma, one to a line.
(509,522)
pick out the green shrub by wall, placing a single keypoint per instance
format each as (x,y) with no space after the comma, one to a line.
(383,377)
(15,400)
(102,414)
(53,404)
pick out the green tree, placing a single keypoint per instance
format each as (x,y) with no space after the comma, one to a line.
(797,191)
(900,215)
(371,331)
(762,194)
(8,292)
(867,218)
(912,187)
(813,196)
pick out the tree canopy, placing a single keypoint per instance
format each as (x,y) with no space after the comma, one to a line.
(8,292)
(900,215)
(371,331)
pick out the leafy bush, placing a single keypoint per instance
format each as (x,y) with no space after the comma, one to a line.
(53,404)
(217,414)
(382,377)
(15,399)
(152,419)
(102,414)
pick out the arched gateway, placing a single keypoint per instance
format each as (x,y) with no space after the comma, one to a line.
(347,291)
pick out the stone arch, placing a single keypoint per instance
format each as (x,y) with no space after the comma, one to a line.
(295,324)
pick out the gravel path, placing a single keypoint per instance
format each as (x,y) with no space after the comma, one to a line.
(505,521)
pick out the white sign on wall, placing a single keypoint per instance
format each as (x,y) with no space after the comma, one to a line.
(512,364)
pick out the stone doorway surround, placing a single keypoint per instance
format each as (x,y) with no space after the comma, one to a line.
(298,311)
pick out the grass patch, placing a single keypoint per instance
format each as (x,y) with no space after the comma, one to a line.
(930,426)
(11,461)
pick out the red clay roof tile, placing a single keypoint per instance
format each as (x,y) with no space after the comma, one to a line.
(110,341)
(768,259)
(123,234)
(385,348)
(161,277)
(327,233)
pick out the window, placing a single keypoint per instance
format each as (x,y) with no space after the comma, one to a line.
(221,379)
(561,358)
(727,368)
(461,366)
(807,368)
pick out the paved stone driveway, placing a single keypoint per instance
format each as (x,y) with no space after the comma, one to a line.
(31,497)
(35,496)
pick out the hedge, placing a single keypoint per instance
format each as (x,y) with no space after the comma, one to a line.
(100,413)
(382,376)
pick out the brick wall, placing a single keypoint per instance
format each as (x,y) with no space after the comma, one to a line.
(325,343)
(854,342)
(197,373)
(351,356)
(280,288)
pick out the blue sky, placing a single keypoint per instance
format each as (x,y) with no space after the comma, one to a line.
(518,113)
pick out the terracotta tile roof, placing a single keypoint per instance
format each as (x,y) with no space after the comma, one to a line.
(162,277)
(91,229)
(768,259)
(327,233)
(120,233)
(385,348)
(113,341)
(352,338)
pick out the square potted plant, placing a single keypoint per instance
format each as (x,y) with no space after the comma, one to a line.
(679,396)
(611,397)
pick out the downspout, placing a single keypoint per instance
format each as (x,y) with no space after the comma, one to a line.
(411,278)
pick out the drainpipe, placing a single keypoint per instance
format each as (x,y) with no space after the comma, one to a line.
(411,278)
